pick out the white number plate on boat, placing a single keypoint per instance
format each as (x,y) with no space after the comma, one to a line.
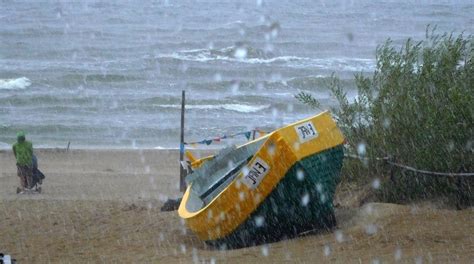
(257,171)
(306,131)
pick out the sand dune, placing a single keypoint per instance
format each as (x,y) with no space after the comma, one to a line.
(101,206)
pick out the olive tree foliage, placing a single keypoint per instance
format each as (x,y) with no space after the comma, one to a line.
(416,108)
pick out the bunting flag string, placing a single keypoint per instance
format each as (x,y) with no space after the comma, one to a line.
(247,134)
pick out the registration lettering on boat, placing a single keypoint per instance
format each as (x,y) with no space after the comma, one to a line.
(256,173)
(306,131)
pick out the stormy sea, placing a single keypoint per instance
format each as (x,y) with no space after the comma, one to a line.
(109,74)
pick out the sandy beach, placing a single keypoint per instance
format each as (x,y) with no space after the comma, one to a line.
(103,206)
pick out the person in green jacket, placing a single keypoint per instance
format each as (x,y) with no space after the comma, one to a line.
(23,151)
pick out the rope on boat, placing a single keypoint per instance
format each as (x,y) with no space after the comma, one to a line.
(248,134)
(409,168)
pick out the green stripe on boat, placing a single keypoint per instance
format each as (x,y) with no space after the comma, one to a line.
(301,201)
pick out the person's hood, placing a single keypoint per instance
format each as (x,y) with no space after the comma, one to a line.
(20,136)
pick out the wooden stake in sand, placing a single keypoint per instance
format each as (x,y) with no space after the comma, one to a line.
(182,183)
(173,204)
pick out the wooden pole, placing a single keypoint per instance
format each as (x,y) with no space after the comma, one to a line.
(182,172)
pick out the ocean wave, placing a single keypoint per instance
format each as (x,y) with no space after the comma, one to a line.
(241,108)
(269,89)
(238,53)
(318,82)
(236,22)
(45,100)
(336,63)
(249,55)
(206,56)
(84,78)
(14,84)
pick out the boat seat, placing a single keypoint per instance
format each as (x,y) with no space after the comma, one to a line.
(195,203)
(230,175)
(215,175)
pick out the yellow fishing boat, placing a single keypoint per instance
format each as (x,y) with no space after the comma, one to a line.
(276,186)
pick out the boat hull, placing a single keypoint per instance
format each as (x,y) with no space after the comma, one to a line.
(286,187)
(298,203)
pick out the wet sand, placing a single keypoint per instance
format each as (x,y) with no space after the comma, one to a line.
(103,206)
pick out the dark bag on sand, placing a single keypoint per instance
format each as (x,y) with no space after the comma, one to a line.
(38,176)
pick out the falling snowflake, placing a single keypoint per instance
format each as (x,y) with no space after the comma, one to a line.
(240,53)
(370,229)
(361,149)
(245,170)
(265,250)
(235,87)
(300,175)
(376,183)
(305,199)
(339,236)
(259,221)
(398,254)
(327,250)
(217,77)
(376,261)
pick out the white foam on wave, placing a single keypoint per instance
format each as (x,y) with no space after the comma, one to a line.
(318,76)
(4,145)
(336,63)
(242,108)
(238,22)
(205,56)
(165,148)
(13,84)
(332,63)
